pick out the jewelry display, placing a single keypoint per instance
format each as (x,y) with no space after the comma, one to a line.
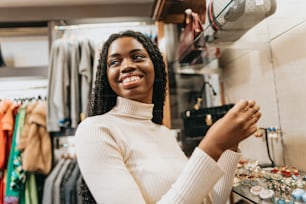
(268,183)
(271,185)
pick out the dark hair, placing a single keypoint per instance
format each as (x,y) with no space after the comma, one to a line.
(104,98)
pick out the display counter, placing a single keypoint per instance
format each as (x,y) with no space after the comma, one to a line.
(281,185)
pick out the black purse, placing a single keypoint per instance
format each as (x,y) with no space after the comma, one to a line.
(198,120)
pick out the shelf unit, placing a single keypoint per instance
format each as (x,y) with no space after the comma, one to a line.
(37,71)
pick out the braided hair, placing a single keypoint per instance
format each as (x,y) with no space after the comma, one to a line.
(104,98)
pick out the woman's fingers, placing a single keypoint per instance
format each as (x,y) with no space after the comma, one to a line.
(253,121)
(240,106)
(252,111)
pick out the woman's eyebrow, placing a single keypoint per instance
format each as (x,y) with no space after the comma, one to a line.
(131,52)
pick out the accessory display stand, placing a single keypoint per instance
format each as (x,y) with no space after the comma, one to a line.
(267,132)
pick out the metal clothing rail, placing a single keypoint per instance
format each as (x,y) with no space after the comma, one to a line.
(100,25)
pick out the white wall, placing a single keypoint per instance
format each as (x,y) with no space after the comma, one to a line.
(24,51)
(267,64)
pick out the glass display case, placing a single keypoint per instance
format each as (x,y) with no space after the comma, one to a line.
(269,185)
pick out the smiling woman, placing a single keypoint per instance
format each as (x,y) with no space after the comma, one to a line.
(126,154)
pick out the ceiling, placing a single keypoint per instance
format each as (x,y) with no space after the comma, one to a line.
(21,11)
(29,3)
(48,10)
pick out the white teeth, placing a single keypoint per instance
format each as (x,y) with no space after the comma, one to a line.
(129,79)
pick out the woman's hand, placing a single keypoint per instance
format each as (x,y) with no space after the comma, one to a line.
(237,124)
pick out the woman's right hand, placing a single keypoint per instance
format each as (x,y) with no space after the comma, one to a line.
(238,123)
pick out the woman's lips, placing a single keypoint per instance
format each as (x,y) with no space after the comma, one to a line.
(131,81)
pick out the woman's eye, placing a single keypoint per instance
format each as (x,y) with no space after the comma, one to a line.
(138,57)
(113,62)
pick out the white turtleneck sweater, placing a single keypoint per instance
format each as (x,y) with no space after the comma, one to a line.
(126,158)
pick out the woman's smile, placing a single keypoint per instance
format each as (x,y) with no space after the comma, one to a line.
(131,81)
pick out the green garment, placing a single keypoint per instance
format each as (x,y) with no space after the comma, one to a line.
(31,190)
(9,192)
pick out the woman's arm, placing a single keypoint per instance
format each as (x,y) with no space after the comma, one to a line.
(195,182)
(228,162)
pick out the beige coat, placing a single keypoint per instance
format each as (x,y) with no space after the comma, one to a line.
(35,142)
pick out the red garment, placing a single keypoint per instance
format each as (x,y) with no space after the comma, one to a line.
(6,119)
(2,189)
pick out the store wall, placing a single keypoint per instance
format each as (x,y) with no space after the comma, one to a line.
(268,64)
(25,51)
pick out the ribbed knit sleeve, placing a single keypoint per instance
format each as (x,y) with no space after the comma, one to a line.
(196,180)
(228,162)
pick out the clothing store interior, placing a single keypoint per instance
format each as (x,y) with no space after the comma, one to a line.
(216,52)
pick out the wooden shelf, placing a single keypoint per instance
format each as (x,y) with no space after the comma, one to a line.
(173,11)
(210,67)
(39,71)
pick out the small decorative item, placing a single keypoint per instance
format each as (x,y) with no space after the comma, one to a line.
(255,190)
(281,201)
(304,197)
(267,195)
(208,120)
(236,182)
(297,194)
(275,170)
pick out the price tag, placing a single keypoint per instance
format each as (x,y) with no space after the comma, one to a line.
(259,2)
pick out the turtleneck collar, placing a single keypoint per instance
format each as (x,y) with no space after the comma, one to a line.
(133,108)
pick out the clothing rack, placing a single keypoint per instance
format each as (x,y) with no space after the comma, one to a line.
(99,25)
(23,88)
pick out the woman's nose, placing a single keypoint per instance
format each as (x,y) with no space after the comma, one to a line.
(127,64)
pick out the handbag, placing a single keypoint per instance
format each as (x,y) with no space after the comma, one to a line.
(197,121)
(192,39)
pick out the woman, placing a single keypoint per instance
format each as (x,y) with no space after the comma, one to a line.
(124,152)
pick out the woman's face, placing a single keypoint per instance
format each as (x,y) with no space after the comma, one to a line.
(130,70)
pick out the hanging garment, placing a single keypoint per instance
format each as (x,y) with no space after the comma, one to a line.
(57,183)
(86,72)
(65,179)
(70,186)
(47,197)
(14,195)
(58,79)
(31,190)
(35,142)
(5,126)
